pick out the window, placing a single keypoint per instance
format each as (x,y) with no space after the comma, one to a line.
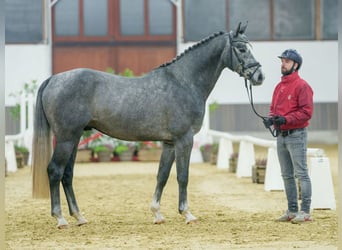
(144,18)
(67,18)
(95,17)
(160,24)
(294,19)
(24,21)
(132,17)
(257,14)
(329,16)
(114,20)
(267,19)
(202,18)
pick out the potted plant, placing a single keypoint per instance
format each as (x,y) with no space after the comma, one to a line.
(103,152)
(214,152)
(124,151)
(233,162)
(85,152)
(206,151)
(22,154)
(259,170)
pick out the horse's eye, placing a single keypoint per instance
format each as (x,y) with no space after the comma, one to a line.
(242,50)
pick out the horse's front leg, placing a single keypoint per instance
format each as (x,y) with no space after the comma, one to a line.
(183,150)
(165,164)
(69,191)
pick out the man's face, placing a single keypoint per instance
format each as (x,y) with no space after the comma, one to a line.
(286,65)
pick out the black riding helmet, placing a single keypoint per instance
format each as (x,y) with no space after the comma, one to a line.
(293,55)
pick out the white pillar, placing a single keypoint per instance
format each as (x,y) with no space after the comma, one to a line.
(246,159)
(273,179)
(323,196)
(224,152)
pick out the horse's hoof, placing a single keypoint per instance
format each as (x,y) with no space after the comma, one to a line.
(80,223)
(192,222)
(63,226)
(158,222)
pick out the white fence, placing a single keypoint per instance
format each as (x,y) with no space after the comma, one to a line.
(24,138)
(319,168)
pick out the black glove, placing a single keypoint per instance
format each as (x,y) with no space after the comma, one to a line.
(279,120)
(268,122)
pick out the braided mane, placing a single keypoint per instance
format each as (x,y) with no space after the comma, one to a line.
(200,43)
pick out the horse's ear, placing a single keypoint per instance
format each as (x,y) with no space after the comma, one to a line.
(237,31)
(243,28)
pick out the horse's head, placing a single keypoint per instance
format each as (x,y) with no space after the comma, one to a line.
(241,59)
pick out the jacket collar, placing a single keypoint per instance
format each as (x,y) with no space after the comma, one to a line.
(290,78)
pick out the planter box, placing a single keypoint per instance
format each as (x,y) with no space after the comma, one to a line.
(232,165)
(104,156)
(83,155)
(206,155)
(126,156)
(149,154)
(20,160)
(258,173)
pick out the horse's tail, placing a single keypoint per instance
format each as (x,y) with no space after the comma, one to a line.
(41,149)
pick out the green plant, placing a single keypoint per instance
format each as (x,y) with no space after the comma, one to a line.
(21,149)
(213,106)
(127,72)
(121,148)
(102,148)
(28,88)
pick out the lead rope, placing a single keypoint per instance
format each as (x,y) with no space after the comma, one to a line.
(274,132)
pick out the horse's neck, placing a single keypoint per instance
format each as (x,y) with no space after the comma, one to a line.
(201,67)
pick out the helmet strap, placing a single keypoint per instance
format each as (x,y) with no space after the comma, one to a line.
(289,72)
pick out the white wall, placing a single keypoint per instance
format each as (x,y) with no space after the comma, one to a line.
(24,63)
(319,69)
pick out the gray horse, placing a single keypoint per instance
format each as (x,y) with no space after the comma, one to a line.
(167,105)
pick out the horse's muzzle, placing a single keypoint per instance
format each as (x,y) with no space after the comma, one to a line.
(258,77)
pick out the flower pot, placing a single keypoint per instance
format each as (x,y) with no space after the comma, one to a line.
(206,155)
(104,156)
(19,159)
(126,156)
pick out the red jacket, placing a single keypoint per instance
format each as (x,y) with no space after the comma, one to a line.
(293,99)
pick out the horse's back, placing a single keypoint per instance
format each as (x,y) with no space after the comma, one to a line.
(138,108)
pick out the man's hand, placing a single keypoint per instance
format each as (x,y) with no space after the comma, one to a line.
(279,120)
(268,122)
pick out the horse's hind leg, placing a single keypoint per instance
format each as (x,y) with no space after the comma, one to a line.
(166,161)
(56,167)
(69,191)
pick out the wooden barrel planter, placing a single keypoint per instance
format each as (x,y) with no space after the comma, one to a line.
(149,154)
(233,162)
(83,155)
(104,156)
(126,155)
(259,171)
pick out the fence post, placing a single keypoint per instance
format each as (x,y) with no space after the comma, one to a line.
(246,159)
(224,152)
(323,196)
(273,179)
(10,156)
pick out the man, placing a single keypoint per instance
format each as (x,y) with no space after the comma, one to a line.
(290,112)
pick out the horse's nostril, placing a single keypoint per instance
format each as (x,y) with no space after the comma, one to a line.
(261,77)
